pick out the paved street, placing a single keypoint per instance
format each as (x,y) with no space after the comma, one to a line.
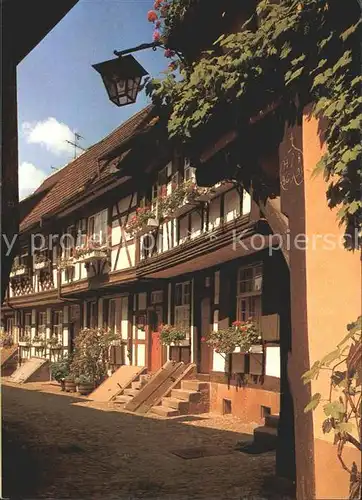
(57,446)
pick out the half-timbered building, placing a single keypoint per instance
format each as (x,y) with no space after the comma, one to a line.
(208,262)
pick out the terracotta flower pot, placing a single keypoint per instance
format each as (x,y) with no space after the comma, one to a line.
(85,388)
(69,386)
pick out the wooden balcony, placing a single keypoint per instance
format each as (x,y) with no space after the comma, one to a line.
(208,249)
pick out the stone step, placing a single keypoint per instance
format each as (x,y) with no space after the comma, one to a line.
(176,404)
(185,395)
(194,385)
(266,437)
(272,421)
(131,392)
(165,411)
(137,385)
(122,399)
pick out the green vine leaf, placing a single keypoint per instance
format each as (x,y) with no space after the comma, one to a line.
(312,405)
(334,410)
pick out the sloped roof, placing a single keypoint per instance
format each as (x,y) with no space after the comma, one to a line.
(50,181)
(84,170)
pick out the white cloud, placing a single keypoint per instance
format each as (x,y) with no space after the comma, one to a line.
(50,134)
(30,178)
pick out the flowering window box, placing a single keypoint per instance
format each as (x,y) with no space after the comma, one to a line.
(150,225)
(65,264)
(142,222)
(207,194)
(56,347)
(184,208)
(24,343)
(38,345)
(87,255)
(18,271)
(43,264)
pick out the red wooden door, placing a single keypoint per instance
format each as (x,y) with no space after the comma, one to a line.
(157,349)
(206,351)
(156,352)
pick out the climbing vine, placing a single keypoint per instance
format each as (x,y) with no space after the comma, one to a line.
(343,405)
(288,55)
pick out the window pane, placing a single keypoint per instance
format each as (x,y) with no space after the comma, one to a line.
(178,295)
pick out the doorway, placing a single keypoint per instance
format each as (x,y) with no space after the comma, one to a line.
(206,351)
(74,325)
(156,348)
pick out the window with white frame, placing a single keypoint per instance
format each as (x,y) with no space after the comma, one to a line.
(58,324)
(10,325)
(249,292)
(189,172)
(81,233)
(182,304)
(42,320)
(27,323)
(92,314)
(157,297)
(98,228)
(68,242)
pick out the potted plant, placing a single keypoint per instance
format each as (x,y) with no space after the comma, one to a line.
(85,384)
(53,343)
(91,353)
(60,370)
(69,383)
(173,335)
(24,341)
(38,341)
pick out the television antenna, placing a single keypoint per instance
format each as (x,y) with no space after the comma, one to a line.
(75,143)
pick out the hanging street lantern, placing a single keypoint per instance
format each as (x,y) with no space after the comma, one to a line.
(122,79)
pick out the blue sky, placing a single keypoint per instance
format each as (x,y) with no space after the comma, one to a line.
(59,92)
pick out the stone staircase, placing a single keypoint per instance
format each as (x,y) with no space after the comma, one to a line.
(265,437)
(192,397)
(130,392)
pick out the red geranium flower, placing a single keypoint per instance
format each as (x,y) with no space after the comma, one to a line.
(158,24)
(169,53)
(203,339)
(237,323)
(157,4)
(152,16)
(156,35)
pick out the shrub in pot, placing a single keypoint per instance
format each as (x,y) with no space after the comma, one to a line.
(69,384)
(85,384)
(60,370)
(91,354)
